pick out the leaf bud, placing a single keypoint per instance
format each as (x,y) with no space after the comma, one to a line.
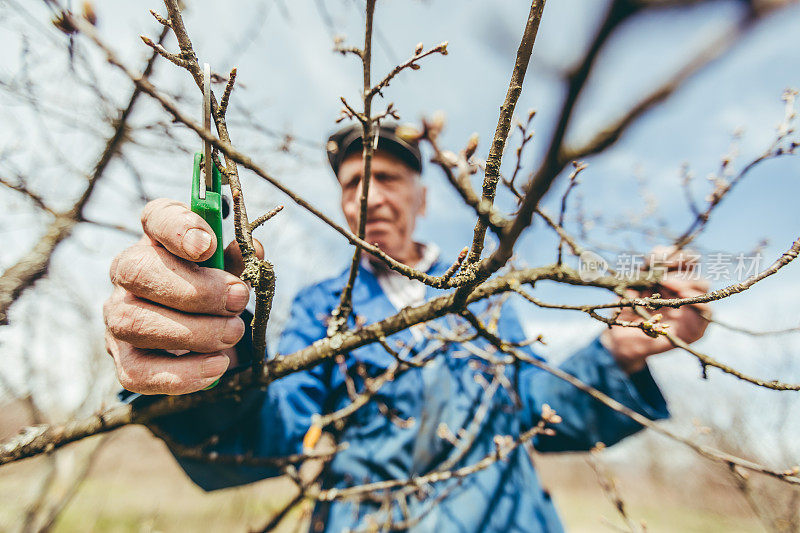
(89,13)
(472,145)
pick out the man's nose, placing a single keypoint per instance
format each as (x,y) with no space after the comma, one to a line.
(376,195)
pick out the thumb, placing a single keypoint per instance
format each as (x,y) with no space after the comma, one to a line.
(233,257)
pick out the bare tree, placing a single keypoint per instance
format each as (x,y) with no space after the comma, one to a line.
(478,274)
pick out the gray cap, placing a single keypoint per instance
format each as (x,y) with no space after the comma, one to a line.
(397,140)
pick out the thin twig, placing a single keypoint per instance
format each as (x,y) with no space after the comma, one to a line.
(492,174)
(265,217)
(32,196)
(341,314)
(410,63)
(789,476)
(226,95)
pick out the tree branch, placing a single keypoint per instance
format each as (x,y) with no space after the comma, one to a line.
(492,173)
(35,263)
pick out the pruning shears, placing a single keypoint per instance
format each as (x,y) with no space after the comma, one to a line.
(207,183)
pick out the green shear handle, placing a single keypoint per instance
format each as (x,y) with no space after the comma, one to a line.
(207,185)
(209,208)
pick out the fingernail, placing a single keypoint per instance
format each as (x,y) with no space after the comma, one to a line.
(196,242)
(237,297)
(234,329)
(214,365)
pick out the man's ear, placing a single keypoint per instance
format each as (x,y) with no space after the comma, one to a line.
(423,200)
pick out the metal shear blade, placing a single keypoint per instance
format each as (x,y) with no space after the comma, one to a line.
(209,184)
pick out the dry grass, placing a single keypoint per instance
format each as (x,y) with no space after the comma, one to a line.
(680,504)
(136,486)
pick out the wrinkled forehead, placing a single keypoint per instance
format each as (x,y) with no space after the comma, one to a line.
(383,162)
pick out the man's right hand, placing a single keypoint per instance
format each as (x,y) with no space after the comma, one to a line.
(162,300)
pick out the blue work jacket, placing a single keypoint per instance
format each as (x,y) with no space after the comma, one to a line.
(398,435)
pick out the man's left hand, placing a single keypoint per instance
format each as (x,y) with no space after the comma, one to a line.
(631,347)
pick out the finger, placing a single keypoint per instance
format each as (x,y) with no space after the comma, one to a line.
(677,284)
(150,326)
(233,257)
(174,226)
(703,307)
(155,372)
(685,279)
(627,313)
(695,310)
(152,273)
(672,259)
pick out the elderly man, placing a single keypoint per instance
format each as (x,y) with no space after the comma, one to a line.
(164,301)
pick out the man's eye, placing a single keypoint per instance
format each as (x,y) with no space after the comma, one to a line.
(385,178)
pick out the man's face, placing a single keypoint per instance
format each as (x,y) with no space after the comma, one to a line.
(396,198)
